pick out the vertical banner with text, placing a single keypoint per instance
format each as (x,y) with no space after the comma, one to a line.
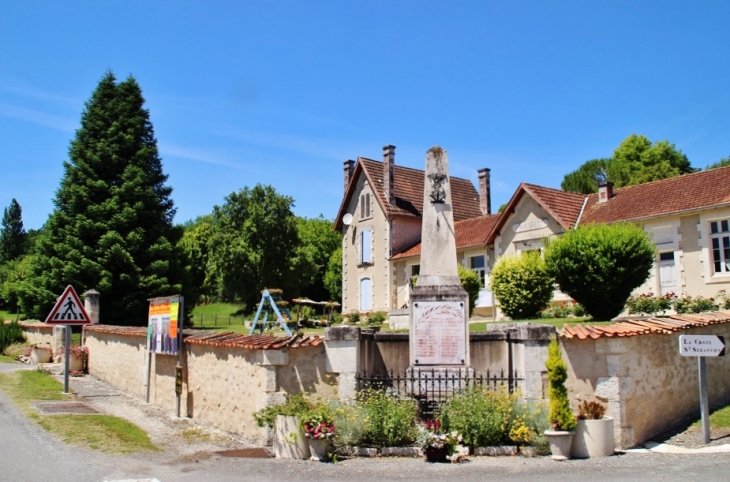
(163,328)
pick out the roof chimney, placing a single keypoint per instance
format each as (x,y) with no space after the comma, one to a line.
(349,167)
(388,168)
(605,191)
(485,191)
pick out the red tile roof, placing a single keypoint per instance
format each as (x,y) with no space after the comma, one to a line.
(699,190)
(220,338)
(408,188)
(469,232)
(664,325)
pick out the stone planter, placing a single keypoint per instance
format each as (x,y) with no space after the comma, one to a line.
(40,355)
(289,441)
(75,364)
(319,448)
(593,438)
(560,442)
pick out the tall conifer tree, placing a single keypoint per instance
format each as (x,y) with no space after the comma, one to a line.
(12,234)
(111,228)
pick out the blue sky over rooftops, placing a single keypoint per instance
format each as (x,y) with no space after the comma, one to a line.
(282,92)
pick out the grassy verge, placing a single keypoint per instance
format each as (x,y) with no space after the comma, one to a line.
(7,315)
(720,418)
(6,359)
(556,322)
(218,315)
(98,432)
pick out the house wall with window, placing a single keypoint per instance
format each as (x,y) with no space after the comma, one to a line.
(707,257)
(525,228)
(365,253)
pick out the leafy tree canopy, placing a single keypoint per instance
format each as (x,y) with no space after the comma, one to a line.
(12,234)
(522,285)
(333,276)
(635,161)
(600,265)
(317,241)
(725,161)
(111,228)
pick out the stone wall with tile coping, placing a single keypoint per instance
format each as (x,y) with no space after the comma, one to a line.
(36,332)
(647,385)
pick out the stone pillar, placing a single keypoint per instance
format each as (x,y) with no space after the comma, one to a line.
(615,389)
(485,194)
(529,354)
(91,305)
(342,349)
(268,360)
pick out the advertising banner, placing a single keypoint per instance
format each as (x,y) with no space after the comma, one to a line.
(164,328)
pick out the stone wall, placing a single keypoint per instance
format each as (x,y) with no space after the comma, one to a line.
(648,386)
(36,332)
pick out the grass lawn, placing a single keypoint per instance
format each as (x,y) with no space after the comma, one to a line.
(218,315)
(6,359)
(556,322)
(7,315)
(99,432)
(720,418)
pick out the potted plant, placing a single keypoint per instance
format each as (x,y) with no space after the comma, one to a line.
(40,353)
(78,356)
(560,416)
(319,428)
(594,432)
(437,447)
(284,419)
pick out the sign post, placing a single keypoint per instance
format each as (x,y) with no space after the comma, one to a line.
(68,311)
(702,346)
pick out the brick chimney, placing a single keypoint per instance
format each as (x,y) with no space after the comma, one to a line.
(349,167)
(485,191)
(388,168)
(605,191)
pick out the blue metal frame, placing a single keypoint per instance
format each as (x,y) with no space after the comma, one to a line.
(266,296)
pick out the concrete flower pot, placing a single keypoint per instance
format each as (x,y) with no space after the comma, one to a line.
(289,441)
(593,438)
(40,354)
(560,442)
(75,364)
(319,448)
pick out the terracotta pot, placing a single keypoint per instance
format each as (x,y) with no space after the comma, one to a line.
(593,438)
(437,454)
(40,355)
(560,442)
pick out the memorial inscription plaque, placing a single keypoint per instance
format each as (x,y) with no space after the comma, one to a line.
(439,333)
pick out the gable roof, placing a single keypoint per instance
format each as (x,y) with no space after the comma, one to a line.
(565,207)
(689,192)
(468,233)
(408,188)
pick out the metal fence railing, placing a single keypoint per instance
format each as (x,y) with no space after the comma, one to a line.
(433,387)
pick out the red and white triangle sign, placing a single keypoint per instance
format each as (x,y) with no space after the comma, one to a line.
(68,310)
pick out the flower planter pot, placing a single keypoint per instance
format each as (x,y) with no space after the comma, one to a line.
(560,442)
(437,454)
(593,438)
(319,448)
(40,355)
(75,364)
(289,441)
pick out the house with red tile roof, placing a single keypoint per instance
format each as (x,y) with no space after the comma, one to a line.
(688,217)
(380,222)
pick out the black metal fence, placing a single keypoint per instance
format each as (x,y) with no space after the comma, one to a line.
(431,387)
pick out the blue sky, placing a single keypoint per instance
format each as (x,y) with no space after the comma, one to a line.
(282,92)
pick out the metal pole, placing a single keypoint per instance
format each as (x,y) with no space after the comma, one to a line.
(180,328)
(704,403)
(65,362)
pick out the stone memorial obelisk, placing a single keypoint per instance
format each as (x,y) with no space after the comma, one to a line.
(439,305)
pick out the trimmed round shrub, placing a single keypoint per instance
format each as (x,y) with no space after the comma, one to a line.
(522,285)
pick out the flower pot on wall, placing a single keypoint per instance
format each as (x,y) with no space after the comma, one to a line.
(40,354)
(75,364)
(593,438)
(289,441)
(560,442)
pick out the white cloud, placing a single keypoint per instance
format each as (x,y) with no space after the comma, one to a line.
(40,118)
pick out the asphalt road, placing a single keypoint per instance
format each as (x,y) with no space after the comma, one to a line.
(27,453)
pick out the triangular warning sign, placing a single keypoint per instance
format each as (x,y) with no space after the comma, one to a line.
(68,310)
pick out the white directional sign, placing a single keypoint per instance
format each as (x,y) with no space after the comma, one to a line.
(701,345)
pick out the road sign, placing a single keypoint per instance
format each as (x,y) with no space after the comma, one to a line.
(701,345)
(68,310)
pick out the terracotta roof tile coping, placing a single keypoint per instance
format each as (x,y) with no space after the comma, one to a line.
(220,338)
(663,325)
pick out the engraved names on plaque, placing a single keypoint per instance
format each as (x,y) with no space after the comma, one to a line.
(439,333)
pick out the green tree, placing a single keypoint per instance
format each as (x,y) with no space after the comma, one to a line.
(522,285)
(253,244)
(12,234)
(586,178)
(195,243)
(317,241)
(725,161)
(600,265)
(111,228)
(333,276)
(471,283)
(560,415)
(635,161)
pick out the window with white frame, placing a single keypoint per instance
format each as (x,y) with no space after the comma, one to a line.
(365,206)
(366,240)
(477,264)
(366,295)
(720,245)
